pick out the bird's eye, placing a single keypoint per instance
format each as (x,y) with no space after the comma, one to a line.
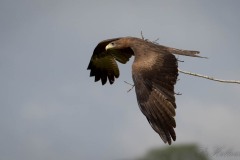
(112,43)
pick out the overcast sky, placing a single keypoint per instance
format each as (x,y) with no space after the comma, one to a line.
(51,109)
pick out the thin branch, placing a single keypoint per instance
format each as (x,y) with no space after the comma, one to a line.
(190,73)
(130,85)
(178,93)
(179,60)
(142,35)
(156,40)
(209,78)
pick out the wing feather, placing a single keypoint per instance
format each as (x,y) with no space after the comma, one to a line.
(155,94)
(120,57)
(103,63)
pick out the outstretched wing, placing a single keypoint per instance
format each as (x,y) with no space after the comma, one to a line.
(155,94)
(103,63)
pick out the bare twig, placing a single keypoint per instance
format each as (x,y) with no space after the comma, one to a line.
(178,93)
(190,73)
(155,41)
(142,35)
(209,78)
(130,85)
(179,60)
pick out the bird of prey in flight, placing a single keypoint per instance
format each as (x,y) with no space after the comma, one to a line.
(154,73)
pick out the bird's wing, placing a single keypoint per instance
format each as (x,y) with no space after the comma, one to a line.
(103,63)
(155,94)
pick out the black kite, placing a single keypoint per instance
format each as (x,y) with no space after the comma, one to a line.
(154,73)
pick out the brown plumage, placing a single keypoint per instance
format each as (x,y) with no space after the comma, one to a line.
(154,73)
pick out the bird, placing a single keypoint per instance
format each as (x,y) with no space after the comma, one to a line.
(154,74)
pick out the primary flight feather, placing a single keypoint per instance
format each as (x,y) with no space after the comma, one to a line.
(154,73)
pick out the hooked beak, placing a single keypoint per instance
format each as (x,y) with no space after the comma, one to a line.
(109,46)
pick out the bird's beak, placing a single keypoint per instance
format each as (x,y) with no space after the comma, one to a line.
(109,46)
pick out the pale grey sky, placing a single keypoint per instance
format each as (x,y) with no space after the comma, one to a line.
(51,109)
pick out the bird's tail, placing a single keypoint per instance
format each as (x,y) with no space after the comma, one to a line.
(185,52)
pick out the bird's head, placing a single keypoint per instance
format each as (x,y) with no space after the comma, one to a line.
(118,44)
(112,45)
